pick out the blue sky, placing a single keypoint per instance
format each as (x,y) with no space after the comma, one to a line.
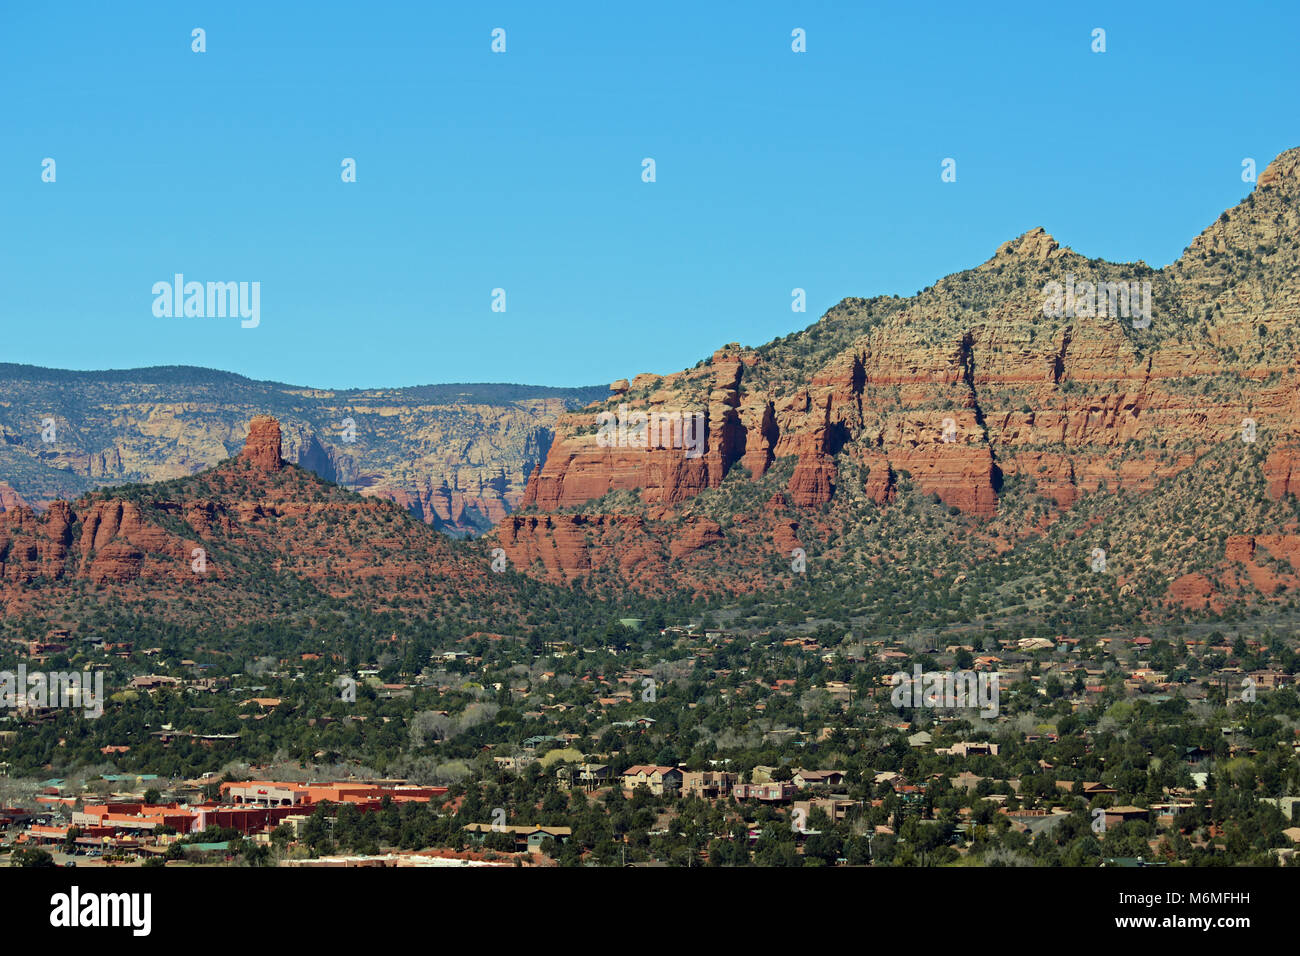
(522,170)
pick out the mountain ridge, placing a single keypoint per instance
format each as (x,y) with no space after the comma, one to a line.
(968,393)
(174,373)
(251,536)
(456,455)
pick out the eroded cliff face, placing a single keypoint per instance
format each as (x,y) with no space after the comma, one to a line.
(457,461)
(210,545)
(678,462)
(958,391)
(9,499)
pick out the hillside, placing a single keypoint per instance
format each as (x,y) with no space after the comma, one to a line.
(457,456)
(253,540)
(961,454)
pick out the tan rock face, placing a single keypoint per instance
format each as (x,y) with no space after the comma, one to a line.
(10,499)
(460,461)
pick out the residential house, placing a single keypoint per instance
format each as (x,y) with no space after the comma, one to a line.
(707,784)
(817,778)
(526,837)
(658,780)
(776,792)
(587,776)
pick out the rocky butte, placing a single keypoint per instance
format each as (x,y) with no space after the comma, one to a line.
(260,523)
(262,447)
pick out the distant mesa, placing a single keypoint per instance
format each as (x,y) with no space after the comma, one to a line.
(263,445)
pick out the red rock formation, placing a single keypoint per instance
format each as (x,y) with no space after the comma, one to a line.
(1285,546)
(1239,547)
(881,485)
(963,476)
(578,470)
(761,436)
(1051,474)
(1193,591)
(813,481)
(262,447)
(143,547)
(10,499)
(698,534)
(559,542)
(785,530)
(117,561)
(972,384)
(1282,470)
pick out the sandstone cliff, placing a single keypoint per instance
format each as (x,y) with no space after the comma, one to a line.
(967,393)
(457,456)
(254,535)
